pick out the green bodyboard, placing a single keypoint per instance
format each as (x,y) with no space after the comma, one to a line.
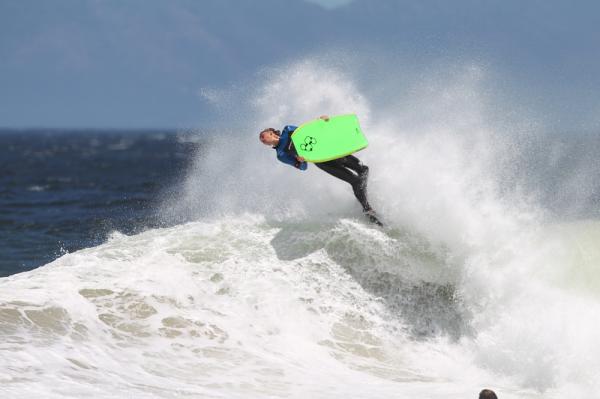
(320,141)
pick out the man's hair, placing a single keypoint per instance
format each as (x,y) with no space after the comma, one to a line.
(487,394)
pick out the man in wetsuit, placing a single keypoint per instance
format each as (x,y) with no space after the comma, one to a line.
(348,168)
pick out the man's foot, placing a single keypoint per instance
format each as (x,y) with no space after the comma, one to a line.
(373,217)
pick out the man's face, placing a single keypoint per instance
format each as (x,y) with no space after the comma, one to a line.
(268,137)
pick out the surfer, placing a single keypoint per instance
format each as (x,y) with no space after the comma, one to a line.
(349,168)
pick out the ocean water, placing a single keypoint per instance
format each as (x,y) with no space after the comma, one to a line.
(223,274)
(67,190)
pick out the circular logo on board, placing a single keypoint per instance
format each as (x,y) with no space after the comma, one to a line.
(308,144)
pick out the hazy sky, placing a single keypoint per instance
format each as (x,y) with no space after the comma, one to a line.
(142,63)
(330,3)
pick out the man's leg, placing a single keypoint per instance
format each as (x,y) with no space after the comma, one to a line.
(336,168)
(360,190)
(353,163)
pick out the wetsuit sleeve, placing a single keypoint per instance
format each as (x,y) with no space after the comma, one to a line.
(290,159)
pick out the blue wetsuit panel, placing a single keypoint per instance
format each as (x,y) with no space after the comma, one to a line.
(286,152)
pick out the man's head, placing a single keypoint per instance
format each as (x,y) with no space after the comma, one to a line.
(487,394)
(269,136)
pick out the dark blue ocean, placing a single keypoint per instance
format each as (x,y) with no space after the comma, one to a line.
(61,191)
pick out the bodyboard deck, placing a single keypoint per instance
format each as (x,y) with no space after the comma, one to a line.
(321,141)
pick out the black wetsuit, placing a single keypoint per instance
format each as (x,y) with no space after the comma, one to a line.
(352,171)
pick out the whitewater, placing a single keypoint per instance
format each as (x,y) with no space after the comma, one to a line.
(270,284)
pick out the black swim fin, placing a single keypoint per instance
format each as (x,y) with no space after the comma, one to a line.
(373,217)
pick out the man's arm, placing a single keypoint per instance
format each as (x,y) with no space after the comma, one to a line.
(295,161)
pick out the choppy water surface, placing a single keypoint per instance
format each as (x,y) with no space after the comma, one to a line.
(65,190)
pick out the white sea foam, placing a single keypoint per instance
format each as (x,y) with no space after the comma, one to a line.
(279,289)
